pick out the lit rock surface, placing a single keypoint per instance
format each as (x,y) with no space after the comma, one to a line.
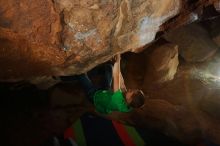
(187,105)
(63,37)
(29,38)
(109,27)
(158,66)
(163,63)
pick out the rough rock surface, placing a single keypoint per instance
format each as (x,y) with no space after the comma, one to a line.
(61,37)
(64,37)
(109,27)
(186,107)
(159,64)
(195,44)
(29,38)
(163,62)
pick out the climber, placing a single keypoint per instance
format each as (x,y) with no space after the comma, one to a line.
(106,100)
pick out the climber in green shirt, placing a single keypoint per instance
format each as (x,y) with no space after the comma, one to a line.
(106,100)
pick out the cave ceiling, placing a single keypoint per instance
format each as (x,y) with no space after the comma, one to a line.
(67,37)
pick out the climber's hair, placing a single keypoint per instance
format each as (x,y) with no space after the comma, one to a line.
(138,99)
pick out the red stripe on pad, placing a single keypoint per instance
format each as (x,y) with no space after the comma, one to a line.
(69,133)
(123,134)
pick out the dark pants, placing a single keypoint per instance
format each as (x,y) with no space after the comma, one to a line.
(88,86)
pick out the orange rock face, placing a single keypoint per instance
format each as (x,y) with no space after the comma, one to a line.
(29,38)
(65,37)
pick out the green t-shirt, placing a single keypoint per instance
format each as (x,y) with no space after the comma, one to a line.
(107,101)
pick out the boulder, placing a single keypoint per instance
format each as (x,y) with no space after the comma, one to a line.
(163,62)
(108,28)
(195,44)
(63,37)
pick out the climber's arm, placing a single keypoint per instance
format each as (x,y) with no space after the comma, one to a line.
(118,81)
(122,83)
(116,73)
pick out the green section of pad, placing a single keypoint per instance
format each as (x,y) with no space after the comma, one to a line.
(79,134)
(135,136)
